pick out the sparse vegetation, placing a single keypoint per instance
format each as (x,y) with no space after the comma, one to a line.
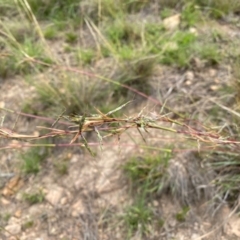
(27,225)
(137,217)
(219,8)
(181,216)
(34,198)
(149,172)
(84,59)
(148,176)
(85,56)
(5,216)
(61,167)
(31,160)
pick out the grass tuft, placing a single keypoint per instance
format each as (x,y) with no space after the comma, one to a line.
(137,218)
(122,31)
(28,224)
(189,179)
(45,10)
(220,8)
(150,171)
(66,90)
(181,216)
(32,160)
(148,176)
(34,198)
(227,178)
(135,73)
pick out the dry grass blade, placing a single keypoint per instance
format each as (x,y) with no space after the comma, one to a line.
(7,133)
